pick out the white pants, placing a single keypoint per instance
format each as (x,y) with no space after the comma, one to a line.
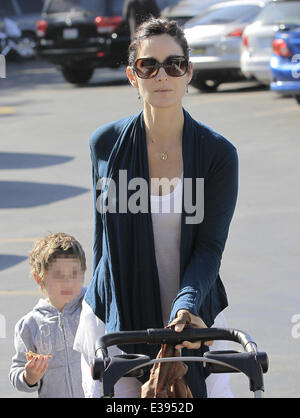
(91,327)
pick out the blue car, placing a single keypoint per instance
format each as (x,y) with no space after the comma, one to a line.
(285,62)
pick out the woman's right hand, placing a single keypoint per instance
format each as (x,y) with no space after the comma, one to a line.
(35,369)
(183,318)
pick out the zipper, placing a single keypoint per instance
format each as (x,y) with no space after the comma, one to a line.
(61,326)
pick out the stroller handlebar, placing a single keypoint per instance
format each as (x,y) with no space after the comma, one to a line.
(169,336)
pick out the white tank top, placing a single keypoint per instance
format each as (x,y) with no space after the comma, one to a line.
(166,219)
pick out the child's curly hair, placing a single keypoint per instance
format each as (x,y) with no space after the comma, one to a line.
(55,245)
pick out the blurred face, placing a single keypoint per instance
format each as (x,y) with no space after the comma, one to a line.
(63,281)
(162,90)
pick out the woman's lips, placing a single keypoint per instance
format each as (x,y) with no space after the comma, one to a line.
(163,90)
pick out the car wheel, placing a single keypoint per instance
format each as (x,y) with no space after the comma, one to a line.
(205,85)
(26,46)
(77,75)
(298,99)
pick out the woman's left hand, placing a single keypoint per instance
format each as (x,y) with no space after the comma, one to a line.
(183,318)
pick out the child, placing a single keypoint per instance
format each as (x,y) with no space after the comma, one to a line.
(58,265)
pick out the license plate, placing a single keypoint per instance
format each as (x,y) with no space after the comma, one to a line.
(198,51)
(71,33)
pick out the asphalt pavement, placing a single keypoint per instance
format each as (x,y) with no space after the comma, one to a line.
(45,186)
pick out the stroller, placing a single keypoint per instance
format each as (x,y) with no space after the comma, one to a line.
(108,370)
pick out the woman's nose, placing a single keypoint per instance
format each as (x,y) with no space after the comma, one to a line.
(162,75)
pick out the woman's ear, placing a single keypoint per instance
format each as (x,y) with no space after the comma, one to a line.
(131,76)
(190,72)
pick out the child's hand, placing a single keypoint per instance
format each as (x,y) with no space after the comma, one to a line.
(35,369)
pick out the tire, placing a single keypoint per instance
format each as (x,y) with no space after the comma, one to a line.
(27,46)
(205,85)
(298,99)
(77,75)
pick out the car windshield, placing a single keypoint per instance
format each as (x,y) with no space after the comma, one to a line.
(6,8)
(223,15)
(287,13)
(30,6)
(103,7)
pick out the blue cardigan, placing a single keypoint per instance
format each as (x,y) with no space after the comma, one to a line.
(124,291)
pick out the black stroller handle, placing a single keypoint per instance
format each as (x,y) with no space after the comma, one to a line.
(108,369)
(168,335)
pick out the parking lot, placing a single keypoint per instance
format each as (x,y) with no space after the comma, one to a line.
(45,186)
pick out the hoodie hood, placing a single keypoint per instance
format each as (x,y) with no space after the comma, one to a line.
(45,308)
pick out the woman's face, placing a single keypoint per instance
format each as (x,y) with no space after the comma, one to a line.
(161,91)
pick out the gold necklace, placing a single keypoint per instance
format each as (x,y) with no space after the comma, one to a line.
(163,155)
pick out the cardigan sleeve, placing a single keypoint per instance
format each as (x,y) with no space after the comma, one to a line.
(98,229)
(220,196)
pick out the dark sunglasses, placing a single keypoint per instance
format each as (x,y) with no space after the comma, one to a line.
(174,66)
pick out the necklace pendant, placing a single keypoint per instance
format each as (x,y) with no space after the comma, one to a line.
(164,156)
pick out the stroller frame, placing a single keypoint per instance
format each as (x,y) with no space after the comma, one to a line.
(108,370)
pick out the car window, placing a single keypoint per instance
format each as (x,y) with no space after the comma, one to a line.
(248,18)
(189,7)
(6,8)
(280,13)
(30,6)
(223,15)
(61,6)
(116,7)
(166,3)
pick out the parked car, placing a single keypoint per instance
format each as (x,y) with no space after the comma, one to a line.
(10,35)
(258,37)
(285,62)
(215,39)
(81,35)
(25,13)
(184,10)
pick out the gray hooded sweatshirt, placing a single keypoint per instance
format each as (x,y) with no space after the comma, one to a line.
(45,330)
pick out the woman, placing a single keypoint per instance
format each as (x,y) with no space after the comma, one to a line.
(152,264)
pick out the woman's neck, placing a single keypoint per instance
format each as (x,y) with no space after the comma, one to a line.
(163,126)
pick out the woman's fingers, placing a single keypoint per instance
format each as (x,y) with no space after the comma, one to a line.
(189,345)
(179,327)
(183,318)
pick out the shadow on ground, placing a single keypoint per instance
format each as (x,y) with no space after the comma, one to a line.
(19,194)
(9,260)
(15,161)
